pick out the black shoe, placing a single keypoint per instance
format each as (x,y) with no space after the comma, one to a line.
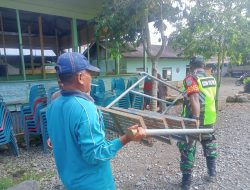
(211,169)
(211,179)
(186,181)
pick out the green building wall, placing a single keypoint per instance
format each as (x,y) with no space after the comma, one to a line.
(178,66)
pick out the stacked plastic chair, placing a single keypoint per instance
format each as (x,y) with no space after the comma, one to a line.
(136,101)
(93,88)
(43,120)
(98,93)
(118,85)
(51,91)
(31,112)
(6,130)
(35,92)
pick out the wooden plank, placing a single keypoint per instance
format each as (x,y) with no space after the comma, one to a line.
(151,121)
(118,121)
(155,120)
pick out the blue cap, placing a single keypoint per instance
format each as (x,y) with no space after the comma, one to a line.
(73,62)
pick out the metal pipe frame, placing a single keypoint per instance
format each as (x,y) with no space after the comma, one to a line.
(162,132)
(145,95)
(172,103)
(159,80)
(126,91)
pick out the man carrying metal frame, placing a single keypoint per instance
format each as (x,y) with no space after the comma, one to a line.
(76,129)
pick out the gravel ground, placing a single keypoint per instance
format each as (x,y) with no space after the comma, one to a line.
(138,167)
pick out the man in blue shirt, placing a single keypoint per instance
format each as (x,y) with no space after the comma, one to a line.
(76,129)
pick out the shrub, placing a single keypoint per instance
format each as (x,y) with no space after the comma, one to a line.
(247,85)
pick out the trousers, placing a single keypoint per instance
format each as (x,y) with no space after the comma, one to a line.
(188,150)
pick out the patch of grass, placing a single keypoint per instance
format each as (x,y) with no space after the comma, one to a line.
(22,175)
(5,183)
(247,85)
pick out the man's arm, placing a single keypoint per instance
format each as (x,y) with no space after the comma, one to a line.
(94,147)
(195,105)
(192,91)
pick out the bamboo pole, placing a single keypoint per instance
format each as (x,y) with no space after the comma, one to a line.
(20,44)
(31,51)
(42,45)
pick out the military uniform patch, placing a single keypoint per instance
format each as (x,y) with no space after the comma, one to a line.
(191,85)
(189,82)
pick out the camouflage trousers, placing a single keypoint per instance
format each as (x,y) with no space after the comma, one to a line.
(188,150)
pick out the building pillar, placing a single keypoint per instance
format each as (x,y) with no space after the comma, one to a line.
(74,35)
(57,43)
(117,68)
(144,59)
(31,51)
(3,39)
(20,44)
(42,45)
(98,53)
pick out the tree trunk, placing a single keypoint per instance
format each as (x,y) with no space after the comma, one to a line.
(155,84)
(218,79)
(154,58)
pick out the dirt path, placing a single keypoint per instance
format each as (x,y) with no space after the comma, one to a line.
(228,88)
(157,168)
(139,167)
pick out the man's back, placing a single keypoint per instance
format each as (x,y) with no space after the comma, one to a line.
(70,121)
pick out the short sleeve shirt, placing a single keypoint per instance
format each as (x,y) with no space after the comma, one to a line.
(191,85)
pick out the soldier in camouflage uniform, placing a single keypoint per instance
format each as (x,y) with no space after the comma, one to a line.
(199,103)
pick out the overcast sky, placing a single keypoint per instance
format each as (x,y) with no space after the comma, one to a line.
(155,36)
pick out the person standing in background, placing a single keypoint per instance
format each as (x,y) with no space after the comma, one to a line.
(162,94)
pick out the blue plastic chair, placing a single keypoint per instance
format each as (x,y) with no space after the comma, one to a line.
(32,124)
(43,120)
(100,95)
(44,130)
(51,91)
(26,110)
(124,102)
(6,130)
(118,86)
(136,101)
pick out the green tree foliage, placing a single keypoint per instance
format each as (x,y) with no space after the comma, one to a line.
(121,22)
(239,52)
(214,27)
(124,24)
